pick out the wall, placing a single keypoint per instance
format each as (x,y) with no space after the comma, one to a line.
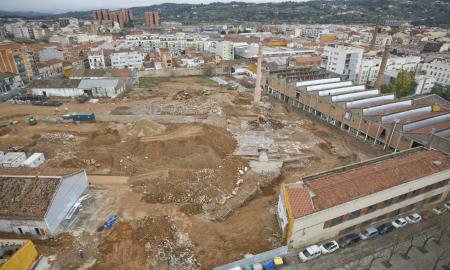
(178,72)
(27,226)
(68,193)
(309,229)
(22,259)
(58,92)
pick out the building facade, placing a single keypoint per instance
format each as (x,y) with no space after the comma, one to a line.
(127,59)
(151,19)
(439,69)
(342,60)
(336,202)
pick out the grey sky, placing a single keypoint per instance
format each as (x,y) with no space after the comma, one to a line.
(77,5)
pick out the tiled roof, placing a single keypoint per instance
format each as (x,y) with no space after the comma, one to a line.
(359,180)
(27,193)
(299,200)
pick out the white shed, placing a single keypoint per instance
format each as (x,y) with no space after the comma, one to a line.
(34,161)
(13,159)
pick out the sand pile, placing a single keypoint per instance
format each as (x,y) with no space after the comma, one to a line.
(141,128)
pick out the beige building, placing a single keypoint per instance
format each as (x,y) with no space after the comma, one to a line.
(346,199)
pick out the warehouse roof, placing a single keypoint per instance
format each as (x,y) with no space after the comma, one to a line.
(27,193)
(354,181)
(93,83)
(57,83)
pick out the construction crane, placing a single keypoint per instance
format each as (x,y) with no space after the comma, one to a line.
(257,97)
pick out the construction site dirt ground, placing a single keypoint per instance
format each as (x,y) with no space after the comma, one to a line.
(184,197)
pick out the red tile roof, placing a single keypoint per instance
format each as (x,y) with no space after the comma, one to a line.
(360,180)
(299,200)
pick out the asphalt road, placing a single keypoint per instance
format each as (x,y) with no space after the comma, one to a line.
(371,254)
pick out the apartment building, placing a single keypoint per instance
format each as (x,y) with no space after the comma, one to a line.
(225,49)
(439,69)
(349,198)
(370,66)
(127,59)
(176,43)
(121,16)
(342,60)
(151,19)
(17,59)
(96,59)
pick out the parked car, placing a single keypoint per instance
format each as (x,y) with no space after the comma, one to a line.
(447,205)
(309,253)
(413,218)
(368,233)
(329,247)
(399,223)
(439,210)
(385,228)
(349,239)
(257,266)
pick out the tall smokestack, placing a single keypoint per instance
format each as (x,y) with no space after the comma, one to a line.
(374,37)
(257,97)
(384,60)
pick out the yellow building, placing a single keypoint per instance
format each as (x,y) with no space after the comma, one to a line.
(23,254)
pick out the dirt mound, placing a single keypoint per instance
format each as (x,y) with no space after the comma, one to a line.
(141,128)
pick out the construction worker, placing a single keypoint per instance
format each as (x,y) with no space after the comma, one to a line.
(81,253)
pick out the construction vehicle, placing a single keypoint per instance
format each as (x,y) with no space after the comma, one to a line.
(32,121)
(80,117)
(109,223)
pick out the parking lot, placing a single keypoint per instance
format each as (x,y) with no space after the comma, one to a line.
(427,244)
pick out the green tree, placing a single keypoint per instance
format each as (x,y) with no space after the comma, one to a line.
(442,91)
(402,86)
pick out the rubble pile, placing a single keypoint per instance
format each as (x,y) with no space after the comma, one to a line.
(60,136)
(141,128)
(191,107)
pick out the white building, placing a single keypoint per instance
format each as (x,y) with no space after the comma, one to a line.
(343,60)
(370,66)
(127,59)
(104,87)
(37,201)
(13,159)
(176,43)
(34,161)
(96,59)
(424,84)
(225,49)
(439,69)
(346,199)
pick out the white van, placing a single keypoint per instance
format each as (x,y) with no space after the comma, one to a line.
(309,253)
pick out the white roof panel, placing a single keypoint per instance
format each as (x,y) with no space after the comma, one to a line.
(314,82)
(328,86)
(343,90)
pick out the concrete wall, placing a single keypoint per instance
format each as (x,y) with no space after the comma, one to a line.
(68,193)
(310,229)
(26,226)
(58,92)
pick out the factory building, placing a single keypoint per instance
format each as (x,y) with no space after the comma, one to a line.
(380,119)
(336,202)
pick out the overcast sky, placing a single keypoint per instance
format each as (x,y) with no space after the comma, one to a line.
(77,5)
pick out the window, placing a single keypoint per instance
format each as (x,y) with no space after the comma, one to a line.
(386,203)
(354,214)
(428,188)
(371,208)
(440,184)
(415,192)
(401,198)
(435,198)
(336,221)
(381,217)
